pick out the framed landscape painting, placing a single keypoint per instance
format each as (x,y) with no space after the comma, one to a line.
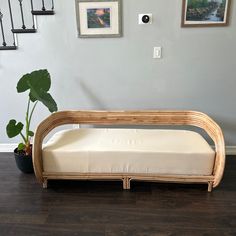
(99,18)
(205,13)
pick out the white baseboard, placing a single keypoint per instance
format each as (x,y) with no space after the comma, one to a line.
(230,150)
(9,147)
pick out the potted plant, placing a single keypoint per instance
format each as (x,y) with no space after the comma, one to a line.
(37,84)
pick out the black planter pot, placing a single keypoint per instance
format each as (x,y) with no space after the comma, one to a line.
(24,163)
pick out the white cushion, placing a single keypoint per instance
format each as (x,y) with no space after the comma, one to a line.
(141,151)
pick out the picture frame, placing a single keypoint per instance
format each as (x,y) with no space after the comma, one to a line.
(205,13)
(99,18)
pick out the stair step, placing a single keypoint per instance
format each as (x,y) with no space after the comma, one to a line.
(8,47)
(23,31)
(36,13)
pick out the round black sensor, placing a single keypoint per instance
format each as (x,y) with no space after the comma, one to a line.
(145,19)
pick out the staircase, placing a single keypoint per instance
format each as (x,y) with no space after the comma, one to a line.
(18,17)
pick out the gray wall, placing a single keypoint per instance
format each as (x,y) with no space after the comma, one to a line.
(197,70)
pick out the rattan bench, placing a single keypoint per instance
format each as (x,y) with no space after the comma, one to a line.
(175,118)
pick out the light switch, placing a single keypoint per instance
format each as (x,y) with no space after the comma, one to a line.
(157,52)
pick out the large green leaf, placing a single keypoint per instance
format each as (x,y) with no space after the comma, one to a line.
(45,98)
(13,128)
(32,98)
(23,85)
(48,101)
(39,79)
(39,83)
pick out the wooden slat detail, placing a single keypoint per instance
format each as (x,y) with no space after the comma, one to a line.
(130,177)
(136,176)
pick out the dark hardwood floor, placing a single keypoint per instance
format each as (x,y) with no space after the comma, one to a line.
(103,208)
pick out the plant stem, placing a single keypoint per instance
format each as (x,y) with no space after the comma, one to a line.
(27,122)
(23,137)
(31,113)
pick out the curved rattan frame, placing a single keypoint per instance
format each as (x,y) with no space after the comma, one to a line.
(177,118)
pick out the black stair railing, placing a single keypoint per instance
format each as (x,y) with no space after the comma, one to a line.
(52,5)
(19,12)
(43,10)
(32,8)
(2,29)
(23,29)
(5,46)
(22,15)
(43,6)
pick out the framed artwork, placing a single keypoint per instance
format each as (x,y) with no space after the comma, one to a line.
(198,13)
(99,18)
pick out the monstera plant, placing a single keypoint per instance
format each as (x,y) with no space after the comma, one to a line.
(37,84)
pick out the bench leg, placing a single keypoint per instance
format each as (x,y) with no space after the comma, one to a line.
(45,183)
(210,186)
(126,183)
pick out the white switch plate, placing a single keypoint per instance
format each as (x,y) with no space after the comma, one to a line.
(157,52)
